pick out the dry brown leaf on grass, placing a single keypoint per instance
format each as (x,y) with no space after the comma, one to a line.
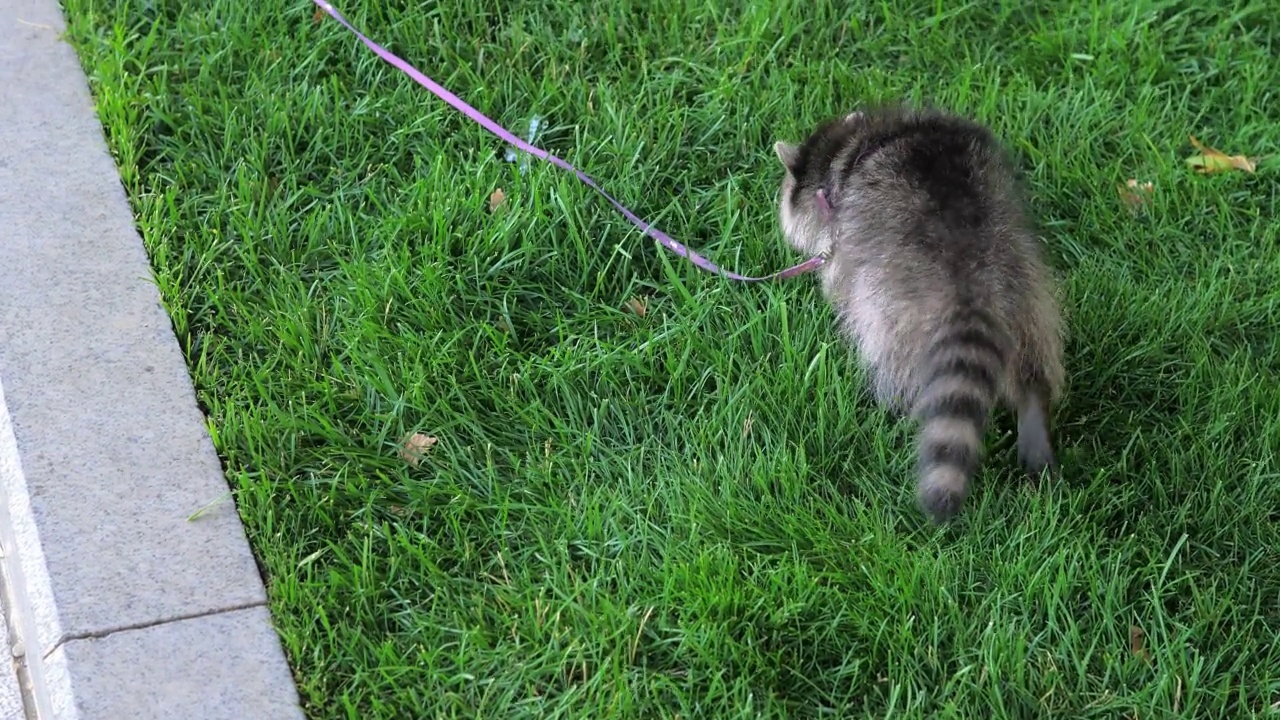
(1210,160)
(1137,643)
(315,19)
(415,447)
(496,199)
(1135,194)
(638,305)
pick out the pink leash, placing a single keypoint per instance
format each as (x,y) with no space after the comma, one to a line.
(493,127)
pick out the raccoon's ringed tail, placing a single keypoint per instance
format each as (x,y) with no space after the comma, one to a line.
(953,407)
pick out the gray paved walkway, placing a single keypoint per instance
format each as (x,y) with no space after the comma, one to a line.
(116,606)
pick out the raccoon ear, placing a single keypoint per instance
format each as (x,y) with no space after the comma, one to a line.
(855,115)
(824,204)
(787,153)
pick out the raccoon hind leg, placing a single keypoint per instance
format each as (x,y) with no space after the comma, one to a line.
(1031,404)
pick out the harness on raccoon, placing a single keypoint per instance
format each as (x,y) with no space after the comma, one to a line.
(665,240)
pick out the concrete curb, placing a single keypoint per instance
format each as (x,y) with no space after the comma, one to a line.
(116,605)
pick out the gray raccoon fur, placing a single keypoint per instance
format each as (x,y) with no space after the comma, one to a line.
(936,277)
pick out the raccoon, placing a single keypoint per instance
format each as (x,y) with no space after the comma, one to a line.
(936,278)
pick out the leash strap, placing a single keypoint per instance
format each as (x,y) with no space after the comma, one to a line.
(460,105)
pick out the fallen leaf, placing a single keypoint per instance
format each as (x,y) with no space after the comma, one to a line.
(1136,642)
(1134,194)
(317,17)
(415,447)
(639,306)
(1210,160)
(497,198)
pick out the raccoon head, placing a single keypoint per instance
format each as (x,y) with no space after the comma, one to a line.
(803,211)
(805,205)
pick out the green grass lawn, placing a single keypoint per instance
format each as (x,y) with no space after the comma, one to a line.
(698,512)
